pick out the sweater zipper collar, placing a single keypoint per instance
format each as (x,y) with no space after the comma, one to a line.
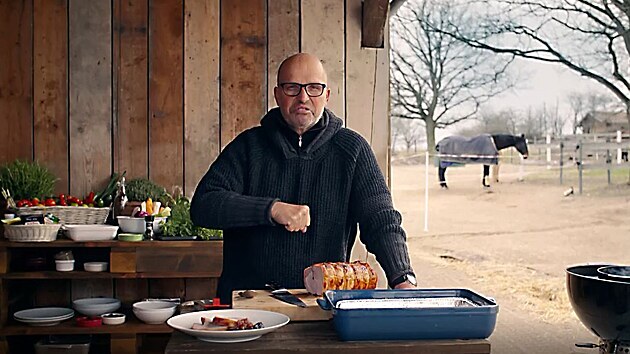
(300,141)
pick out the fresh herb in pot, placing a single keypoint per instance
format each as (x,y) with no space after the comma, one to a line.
(141,189)
(180,224)
(27,180)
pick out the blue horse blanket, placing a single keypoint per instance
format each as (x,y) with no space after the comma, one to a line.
(457,149)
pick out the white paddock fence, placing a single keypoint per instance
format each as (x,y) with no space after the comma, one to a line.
(582,151)
(428,164)
(606,151)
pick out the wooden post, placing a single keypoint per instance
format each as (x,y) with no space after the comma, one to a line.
(619,149)
(122,343)
(548,141)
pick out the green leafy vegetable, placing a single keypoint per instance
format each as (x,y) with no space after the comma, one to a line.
(141,189)
(180,224)
(27,180)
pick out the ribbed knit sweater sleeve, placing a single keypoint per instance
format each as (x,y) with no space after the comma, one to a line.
(219,201)
(379,223)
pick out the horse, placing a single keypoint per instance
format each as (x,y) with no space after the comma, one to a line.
(483,149)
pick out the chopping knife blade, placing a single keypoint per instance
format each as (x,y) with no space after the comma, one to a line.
(283,294)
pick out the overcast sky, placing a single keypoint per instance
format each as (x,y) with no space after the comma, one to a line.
(541,83)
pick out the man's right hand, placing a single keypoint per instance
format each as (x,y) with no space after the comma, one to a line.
(293,217)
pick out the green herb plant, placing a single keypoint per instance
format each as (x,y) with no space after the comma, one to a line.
(180,224)
(27,180)
(141,189)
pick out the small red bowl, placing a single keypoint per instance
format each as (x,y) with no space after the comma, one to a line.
(85,321)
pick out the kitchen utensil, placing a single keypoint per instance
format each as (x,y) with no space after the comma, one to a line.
(262,301)
(283,294)
(410,314)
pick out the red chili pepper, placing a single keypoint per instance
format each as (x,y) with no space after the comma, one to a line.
(90,198)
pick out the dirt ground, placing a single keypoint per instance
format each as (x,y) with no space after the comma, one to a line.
(513,243)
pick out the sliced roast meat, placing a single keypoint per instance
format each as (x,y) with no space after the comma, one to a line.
(339,276)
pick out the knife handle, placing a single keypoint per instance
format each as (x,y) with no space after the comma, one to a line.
(276,289)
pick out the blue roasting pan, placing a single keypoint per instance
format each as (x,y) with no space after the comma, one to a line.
(410,314)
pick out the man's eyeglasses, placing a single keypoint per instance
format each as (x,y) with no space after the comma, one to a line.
(293,89)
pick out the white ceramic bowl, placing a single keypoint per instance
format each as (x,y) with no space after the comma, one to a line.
(91,232)
(154,312)
(96,306)
(133,225)
(113,318)
(64,265)
(95,266)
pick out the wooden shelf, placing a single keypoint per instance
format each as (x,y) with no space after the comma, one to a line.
(69,327)
(113,243)
(104,275)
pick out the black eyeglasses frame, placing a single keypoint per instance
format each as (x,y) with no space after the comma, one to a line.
(302,86)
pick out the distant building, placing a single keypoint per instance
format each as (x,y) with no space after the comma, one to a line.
(604,122)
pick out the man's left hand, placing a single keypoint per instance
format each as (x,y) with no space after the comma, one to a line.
(405,285)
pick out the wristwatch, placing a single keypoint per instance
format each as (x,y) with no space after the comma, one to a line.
(409,277)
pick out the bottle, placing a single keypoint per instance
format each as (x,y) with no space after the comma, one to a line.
(148,232)
(120,201)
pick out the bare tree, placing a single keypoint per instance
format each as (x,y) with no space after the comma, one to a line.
(557,121)
(590,37)
(436,78)
(407,130)
(584,102)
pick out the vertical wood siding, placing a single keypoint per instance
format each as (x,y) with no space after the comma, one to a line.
(16,87)
(322,34)
(50,88)
(201,88)
(158,87)
(243,66)
(90,94)
(166,96)
(283,39)
(131,144)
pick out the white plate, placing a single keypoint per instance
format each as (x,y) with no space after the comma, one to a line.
(271,321)
(43,316)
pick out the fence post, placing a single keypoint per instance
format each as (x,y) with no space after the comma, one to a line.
(561,159)
(619,149)
(548,141)
(608,163)
(426,192)
(580,168)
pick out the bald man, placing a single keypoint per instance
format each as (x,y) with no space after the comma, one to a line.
(291,192)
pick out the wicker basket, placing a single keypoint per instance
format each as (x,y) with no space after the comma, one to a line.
(31,233)
(71,214)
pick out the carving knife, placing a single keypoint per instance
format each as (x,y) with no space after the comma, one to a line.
(283,294)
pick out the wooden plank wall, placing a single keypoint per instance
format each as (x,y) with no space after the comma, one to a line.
(158,87)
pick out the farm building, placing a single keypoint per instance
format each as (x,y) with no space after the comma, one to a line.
(604,122)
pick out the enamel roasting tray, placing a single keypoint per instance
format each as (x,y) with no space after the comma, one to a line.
(410,314)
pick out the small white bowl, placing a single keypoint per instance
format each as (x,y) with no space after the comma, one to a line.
(134,225)
(95,266)
(64,265)
(154,312)
(113,318)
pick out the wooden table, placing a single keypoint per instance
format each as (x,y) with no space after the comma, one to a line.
(320,337)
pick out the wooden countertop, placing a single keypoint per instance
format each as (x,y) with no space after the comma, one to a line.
(320,337)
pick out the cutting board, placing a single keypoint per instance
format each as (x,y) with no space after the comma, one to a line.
(262,300)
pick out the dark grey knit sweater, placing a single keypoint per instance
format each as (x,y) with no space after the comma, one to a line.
(336,175)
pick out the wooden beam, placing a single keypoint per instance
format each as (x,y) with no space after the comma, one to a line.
(374,19)
(394,6)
